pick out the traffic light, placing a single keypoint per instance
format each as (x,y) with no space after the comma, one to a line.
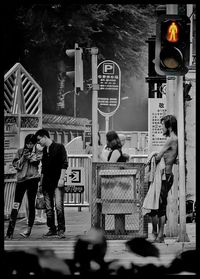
(77,74)
(172,45)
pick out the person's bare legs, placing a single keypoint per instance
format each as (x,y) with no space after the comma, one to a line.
(154,225)
(161,224)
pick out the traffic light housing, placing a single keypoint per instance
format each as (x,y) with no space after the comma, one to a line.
(77,74)
(172,45)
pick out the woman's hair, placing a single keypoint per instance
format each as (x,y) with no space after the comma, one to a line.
(113,140)
(30,138)
(170,122)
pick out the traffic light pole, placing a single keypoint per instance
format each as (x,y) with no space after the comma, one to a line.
(171,90)
(74,105)
(175,97)
(183,237)
(94,53)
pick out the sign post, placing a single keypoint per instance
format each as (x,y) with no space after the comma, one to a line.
(109,80)
(174,94)
(87,134)
(94,53)
(156,110)
(107,124)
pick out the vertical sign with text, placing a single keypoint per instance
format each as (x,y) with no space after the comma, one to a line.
(156,110)
(87,134)
(109,80)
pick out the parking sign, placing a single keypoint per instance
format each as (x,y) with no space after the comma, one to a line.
(109,80)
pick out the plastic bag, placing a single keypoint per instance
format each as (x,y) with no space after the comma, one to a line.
(40,202)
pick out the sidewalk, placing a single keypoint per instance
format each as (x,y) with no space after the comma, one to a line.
(78,223)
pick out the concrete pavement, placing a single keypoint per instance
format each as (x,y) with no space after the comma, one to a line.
(78,223)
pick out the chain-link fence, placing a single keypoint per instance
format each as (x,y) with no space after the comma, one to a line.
(117,196)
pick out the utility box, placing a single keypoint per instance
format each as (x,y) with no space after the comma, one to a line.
(117,196)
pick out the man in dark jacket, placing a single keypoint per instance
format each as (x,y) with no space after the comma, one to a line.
(54,165)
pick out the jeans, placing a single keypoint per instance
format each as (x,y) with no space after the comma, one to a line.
(50,196)
(30,186)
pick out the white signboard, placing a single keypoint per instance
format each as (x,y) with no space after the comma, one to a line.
(156,110)
(109,80)
(75,176)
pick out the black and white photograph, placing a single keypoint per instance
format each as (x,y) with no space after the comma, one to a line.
(99,139)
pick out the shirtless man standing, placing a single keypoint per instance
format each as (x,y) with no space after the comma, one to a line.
(169,152)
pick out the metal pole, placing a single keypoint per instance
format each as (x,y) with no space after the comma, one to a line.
(171,229)
(107,124)
(171,81)
(174,94)
(74,104)
(94,53)
(189,12)
(181,153)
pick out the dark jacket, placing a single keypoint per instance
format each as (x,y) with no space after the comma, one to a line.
(52,164)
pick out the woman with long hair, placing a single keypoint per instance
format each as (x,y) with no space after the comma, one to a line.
(26,163)
(114,143)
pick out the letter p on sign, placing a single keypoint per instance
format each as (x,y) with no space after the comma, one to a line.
(108,68)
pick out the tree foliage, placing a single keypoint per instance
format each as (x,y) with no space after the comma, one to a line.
(119,31)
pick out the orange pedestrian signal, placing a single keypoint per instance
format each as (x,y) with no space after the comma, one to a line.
(173,33)
(172,45)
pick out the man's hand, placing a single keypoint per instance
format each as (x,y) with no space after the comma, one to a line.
(61,182)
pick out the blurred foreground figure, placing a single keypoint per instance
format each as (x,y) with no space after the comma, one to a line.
(143,258)
(34,263)
(185,263)
(89,253)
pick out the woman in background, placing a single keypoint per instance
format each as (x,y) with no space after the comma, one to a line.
(114,143)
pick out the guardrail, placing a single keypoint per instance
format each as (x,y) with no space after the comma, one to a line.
(71,199)
(84,160)
(80,199)
(138,158)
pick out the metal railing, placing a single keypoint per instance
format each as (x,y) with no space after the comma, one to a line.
(138,158)
(80,199)
(71,199)
(85,161)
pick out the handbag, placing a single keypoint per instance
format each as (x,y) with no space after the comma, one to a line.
(40,202)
